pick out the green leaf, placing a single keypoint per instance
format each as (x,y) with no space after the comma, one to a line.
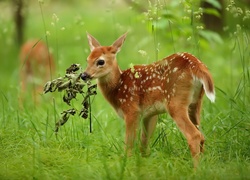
(214,3)
(211,36)
(212,11)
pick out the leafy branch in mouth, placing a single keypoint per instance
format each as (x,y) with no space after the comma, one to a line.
(71,84)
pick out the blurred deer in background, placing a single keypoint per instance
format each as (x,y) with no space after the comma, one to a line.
(176,85)
(36,68)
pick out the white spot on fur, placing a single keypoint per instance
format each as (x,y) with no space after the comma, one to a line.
(122,100)
(182,75)
(156,88)
(175,69)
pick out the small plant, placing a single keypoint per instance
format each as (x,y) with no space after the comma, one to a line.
(71,85)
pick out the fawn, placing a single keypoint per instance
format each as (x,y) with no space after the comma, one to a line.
(176,85)
(36,66)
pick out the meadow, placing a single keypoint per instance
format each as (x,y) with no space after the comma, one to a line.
(29,148)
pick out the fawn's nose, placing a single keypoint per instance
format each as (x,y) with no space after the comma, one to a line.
(85,76)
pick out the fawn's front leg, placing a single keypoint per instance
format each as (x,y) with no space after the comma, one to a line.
(149,124)
(132,122)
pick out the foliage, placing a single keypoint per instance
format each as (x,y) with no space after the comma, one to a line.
(72,85)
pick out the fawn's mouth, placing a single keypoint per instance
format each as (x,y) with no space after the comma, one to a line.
(85,76)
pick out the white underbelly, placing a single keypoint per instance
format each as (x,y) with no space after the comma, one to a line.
(157,108)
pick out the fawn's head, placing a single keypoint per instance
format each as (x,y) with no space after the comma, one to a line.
(102,59)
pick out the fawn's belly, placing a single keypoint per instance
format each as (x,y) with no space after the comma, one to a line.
(158,107)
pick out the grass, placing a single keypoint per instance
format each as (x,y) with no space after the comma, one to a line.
(29,148)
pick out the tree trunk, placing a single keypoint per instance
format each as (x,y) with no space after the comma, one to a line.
(19,19)
(211,21)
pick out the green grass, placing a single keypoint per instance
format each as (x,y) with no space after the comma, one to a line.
(29,149)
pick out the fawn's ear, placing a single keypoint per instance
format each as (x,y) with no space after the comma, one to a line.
(119,42)
(93,43)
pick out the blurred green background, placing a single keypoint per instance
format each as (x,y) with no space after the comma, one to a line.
(217,32)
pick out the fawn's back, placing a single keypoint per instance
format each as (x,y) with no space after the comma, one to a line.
(152,87)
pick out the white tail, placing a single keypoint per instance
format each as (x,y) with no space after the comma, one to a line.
(175,84)
(36,67)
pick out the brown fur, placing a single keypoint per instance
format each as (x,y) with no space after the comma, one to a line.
(36,68)
(175,85)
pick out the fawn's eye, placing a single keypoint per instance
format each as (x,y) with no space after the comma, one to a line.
(100,62)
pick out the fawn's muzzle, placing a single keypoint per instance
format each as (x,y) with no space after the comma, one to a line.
(85,76)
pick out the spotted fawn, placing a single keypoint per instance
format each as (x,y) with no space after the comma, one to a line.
(175,84)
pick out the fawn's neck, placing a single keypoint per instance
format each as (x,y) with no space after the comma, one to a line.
(108,84)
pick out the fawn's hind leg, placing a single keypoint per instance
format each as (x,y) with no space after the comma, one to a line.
(194,110)
(179,113)
(194,115)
